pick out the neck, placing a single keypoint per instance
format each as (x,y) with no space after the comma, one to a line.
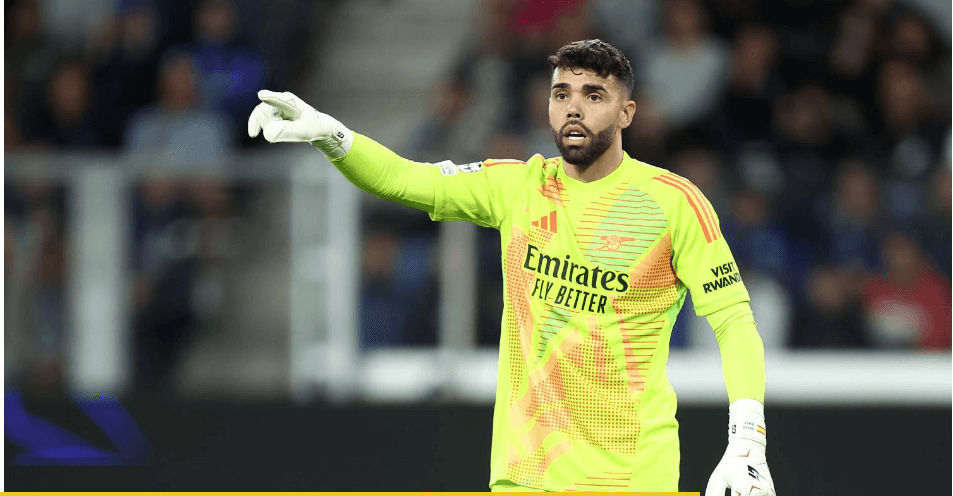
(602,167)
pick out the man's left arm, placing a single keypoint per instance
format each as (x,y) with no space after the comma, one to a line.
(744,467)
(703,262)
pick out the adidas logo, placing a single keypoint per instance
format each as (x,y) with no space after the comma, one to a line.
(546,222)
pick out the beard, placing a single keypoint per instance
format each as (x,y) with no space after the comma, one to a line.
(584,156)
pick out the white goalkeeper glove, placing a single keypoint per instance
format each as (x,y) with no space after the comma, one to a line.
(285,118)
(744,468)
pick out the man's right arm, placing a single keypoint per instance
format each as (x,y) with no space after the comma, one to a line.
(446,191)
(381,172)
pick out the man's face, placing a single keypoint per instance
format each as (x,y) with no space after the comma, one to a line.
(585,113)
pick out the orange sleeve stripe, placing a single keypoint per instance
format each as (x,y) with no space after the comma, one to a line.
(705,206)
(691,201)
(709,216)
(491,163)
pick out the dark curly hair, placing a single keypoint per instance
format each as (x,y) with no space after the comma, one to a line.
(597,56)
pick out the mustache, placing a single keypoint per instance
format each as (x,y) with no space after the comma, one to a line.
(562,130)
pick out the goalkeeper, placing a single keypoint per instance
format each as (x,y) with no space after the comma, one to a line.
(599,251)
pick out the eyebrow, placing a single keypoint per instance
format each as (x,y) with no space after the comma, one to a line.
(588,88)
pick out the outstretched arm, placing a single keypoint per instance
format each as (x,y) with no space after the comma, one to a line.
(285,118)
(470,192)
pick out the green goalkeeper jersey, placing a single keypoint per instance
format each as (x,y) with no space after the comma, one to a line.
(594,277)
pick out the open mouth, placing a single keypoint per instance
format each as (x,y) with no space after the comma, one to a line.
(574,136)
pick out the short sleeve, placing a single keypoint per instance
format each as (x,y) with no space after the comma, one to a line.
(701,258)
(479,192)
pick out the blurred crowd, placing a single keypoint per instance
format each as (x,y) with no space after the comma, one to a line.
(167,85)
(149,75)
(819,130)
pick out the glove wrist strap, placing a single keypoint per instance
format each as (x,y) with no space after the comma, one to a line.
(337,143)
(746,421)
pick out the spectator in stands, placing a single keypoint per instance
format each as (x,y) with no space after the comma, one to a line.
(851,219)
(176,128)
(808,145)
(908,303)
(397,290)
(832,315)
(125,53)
(30,59)
(757,241)
(851,59)
(745,112)
(686,74)
(71,120)
(164,238)
(230,69)
(911,137)
(382,314)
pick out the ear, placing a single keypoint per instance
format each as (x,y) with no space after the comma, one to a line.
(626,114)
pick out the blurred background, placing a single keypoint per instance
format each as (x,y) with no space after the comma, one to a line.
(270,327)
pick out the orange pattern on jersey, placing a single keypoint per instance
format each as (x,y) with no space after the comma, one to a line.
(599,344)
(519,320)
(652,283)
(559,400)
(545,390)
(653,288)
(703,210)
(554,190)
(538,463)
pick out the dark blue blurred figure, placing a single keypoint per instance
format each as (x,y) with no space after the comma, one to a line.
(165,241)
(125,53)
(851,218)
(807,141)
(398,290)
(230,69)
(757,241)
